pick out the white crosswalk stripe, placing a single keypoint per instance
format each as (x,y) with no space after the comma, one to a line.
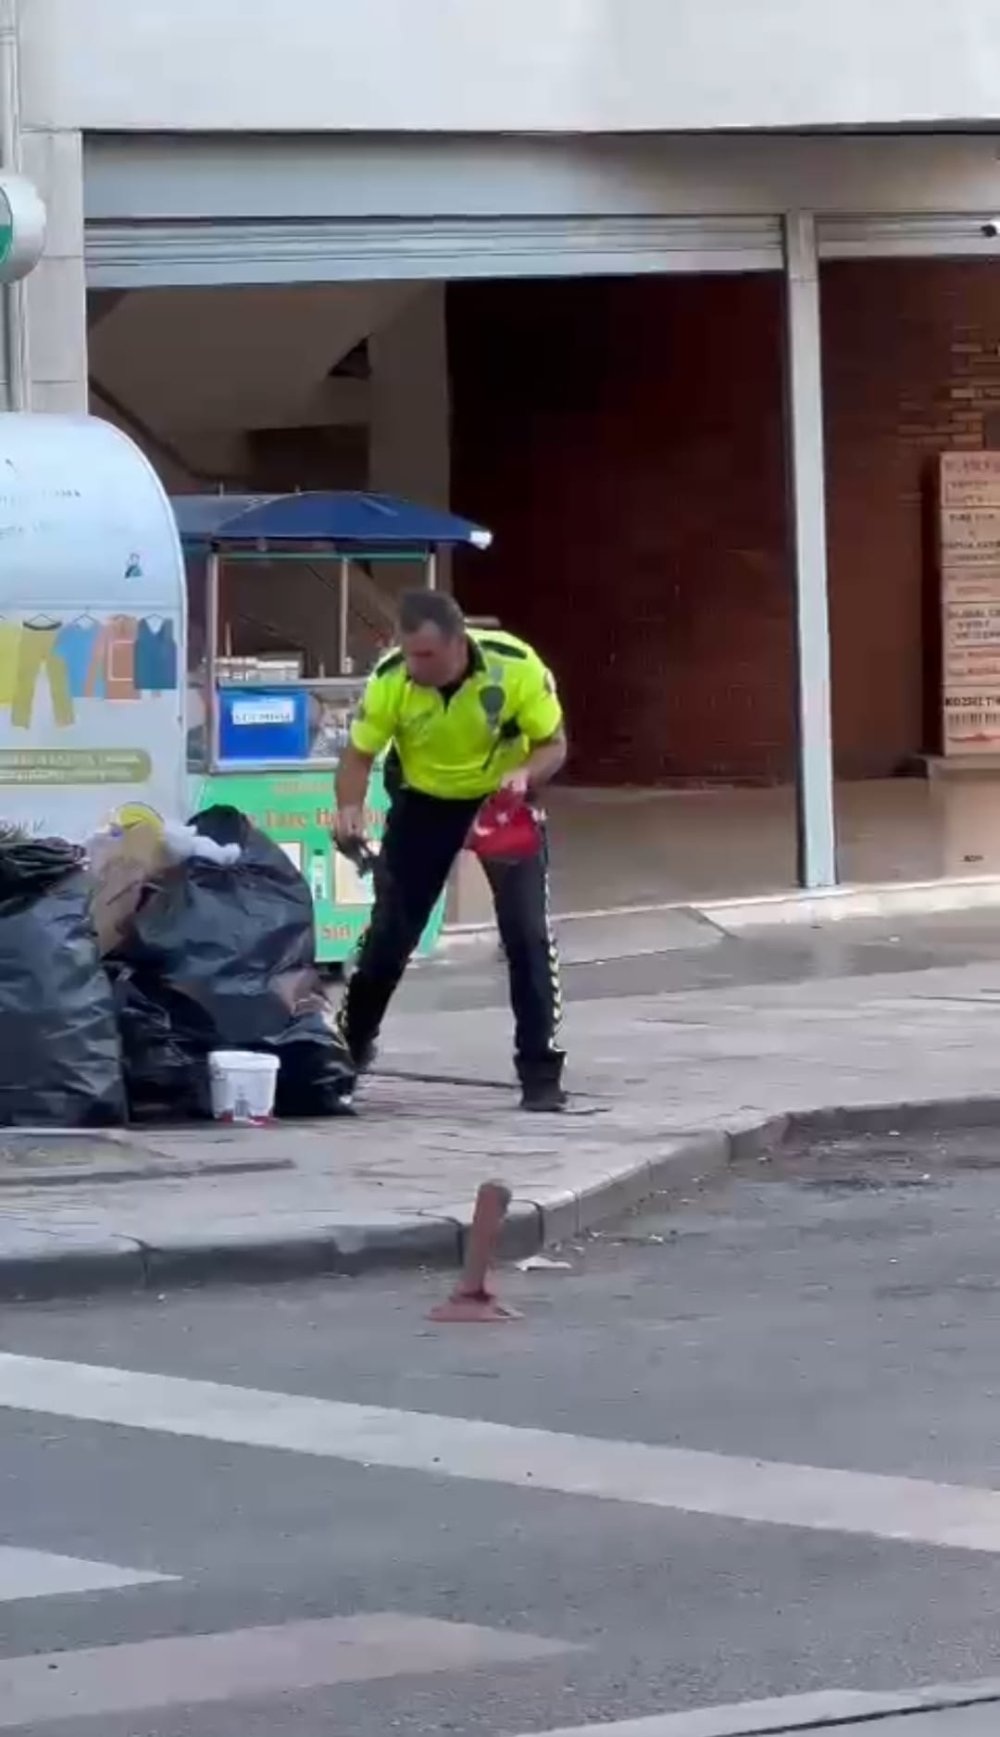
(844,1711)
(250,1664)
(38,1574)
(904,1509)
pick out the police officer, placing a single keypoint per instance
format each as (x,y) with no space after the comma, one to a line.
(463,714)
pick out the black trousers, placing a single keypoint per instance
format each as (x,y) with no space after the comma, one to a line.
(423,837)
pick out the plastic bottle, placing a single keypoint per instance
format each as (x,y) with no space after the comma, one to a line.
(319,877)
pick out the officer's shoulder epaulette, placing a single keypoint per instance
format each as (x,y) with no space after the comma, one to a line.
(388,663)
(504,647)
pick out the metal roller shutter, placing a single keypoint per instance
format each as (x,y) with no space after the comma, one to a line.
(139,255)
(918,237)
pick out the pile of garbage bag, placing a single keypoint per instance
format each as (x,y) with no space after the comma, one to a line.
(220,955)
(212,948)
(60,1058)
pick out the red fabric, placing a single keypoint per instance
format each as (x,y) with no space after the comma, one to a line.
(505,826)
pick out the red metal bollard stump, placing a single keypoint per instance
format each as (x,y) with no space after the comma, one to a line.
(472,1301)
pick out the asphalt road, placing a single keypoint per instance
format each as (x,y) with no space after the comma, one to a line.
(840,1313)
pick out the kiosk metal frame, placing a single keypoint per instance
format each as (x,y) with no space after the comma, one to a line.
(288,793)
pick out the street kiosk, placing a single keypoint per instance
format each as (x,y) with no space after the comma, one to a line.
(270,704)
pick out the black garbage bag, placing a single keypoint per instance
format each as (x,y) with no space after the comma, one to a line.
(314,1073)
(60,1058)
(228,954)
(165,1080)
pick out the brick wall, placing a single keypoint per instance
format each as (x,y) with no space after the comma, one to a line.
(623,438)
(912,357)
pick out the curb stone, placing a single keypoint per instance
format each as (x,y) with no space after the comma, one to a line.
(35,1266)
(41,1269)
(37,1273)
(336,1250)
(690,1159)
(916,1116)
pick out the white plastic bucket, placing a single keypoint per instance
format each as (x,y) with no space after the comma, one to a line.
(243,1085)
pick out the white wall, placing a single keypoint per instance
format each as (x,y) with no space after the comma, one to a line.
(239,358)
(490,65)
(410,439)
(409,401)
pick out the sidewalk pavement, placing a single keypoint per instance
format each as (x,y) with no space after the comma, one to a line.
(661,1084)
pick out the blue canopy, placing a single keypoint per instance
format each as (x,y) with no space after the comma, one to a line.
(342,520)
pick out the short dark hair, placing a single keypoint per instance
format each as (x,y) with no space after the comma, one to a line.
(419,609)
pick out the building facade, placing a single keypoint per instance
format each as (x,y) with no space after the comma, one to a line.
(684,301)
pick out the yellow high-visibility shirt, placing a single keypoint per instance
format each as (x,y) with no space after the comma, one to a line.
(460,745)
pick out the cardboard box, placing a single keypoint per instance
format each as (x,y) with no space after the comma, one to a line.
(122,864)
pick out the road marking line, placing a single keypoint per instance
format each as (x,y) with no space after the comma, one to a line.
(844,1710)
(37,1574)
(250,1664)
(909,1510)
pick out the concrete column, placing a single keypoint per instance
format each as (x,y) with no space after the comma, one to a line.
(54,297)
(409,453)
(409,443)
(817,856)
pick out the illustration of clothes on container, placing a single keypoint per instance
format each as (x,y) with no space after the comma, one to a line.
(111,674)
(76,645)
(155,656)
(37,656)
(10,645)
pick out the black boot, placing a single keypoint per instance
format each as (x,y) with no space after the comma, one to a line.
(541,1085)
(364,1056)
(361,1053)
